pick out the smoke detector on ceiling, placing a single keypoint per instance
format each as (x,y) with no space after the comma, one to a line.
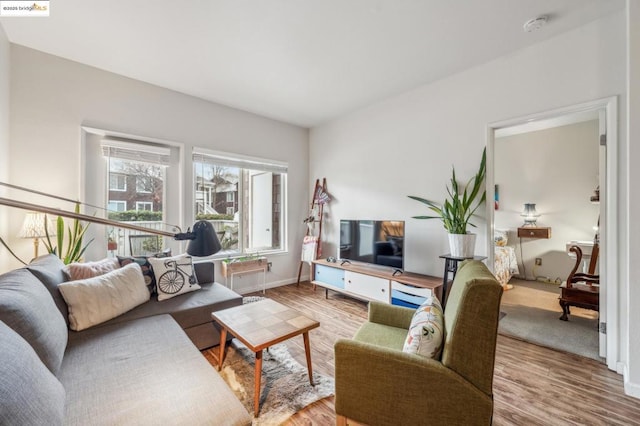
(535,24)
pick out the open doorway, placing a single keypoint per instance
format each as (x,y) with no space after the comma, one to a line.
(558,161)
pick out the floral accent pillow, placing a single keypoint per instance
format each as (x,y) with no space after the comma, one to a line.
(426,333)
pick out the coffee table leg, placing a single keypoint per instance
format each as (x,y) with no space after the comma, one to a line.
(307,350)
(256,385)
(223,341)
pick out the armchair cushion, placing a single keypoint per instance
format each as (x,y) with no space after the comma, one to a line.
(382,335)
(427,330)
(391,315)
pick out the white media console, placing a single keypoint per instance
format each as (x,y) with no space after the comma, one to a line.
(371,282)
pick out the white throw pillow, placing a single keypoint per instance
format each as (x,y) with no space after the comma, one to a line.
(174,276)
(95,300)
(426,333)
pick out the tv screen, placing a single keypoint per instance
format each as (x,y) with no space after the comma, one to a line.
(379,242)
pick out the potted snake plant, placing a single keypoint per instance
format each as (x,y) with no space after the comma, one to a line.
(74,248)
(457,210)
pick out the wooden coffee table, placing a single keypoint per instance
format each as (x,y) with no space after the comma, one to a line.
(262,324)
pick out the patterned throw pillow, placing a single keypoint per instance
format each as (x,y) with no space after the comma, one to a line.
(174,276)
(426,333)
(147,271)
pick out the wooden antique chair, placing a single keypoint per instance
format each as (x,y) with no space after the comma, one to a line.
(581,289)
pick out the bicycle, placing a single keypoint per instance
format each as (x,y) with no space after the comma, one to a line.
(173,280)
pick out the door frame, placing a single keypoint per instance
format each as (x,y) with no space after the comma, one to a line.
(608,206)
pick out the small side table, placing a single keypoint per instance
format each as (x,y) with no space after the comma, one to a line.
(229,269)
(451,265)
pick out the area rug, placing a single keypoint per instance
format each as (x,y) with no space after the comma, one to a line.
(285,387)
(531,313)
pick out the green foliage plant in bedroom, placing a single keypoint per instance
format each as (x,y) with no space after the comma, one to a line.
(458,208)
(73,250)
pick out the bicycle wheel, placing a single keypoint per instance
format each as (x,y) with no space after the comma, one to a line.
(171,282)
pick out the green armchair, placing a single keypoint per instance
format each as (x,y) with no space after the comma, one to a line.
(378,384)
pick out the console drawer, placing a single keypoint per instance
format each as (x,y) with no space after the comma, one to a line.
(328,275)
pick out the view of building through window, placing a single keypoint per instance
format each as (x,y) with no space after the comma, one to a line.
(135,194)
(244,204)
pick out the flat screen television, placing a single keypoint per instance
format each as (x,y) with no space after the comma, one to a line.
(380,242)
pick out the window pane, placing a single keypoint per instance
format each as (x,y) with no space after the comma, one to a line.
(117,182)
(216,194)
(140,199)
(243,204)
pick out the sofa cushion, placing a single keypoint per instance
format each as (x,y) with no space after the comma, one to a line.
(144,372)
(189,309)
(29,393)
(174,276)
(80,271)
(27,307)
(95,300)
(426,332)
(49,269)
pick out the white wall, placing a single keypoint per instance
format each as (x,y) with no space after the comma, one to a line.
(4,140)
(375,157)
(557,169)
(632,383)
(52,97)
(406,145)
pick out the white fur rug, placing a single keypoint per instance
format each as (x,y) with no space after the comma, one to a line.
(285,387)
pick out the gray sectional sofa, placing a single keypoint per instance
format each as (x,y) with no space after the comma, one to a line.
(141,368)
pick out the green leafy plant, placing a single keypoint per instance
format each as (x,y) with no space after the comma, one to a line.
(457,210)
(75,234)
(136,216)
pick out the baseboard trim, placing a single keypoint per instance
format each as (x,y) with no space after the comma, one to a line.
(272,284)
(632,389)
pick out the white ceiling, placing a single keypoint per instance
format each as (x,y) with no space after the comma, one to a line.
(300,61)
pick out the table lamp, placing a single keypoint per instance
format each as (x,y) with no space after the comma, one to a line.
(33,227)
(530,215)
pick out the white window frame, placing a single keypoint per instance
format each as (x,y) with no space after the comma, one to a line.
(246,164)
(140,179)
(124,179)
(144,203)
(117,202)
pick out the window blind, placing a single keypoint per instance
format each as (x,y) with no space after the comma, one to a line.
(131,151)
(229,160)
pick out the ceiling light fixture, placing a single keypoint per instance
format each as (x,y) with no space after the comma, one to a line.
(535,24)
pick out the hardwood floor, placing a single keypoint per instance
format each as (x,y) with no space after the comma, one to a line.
(532,385)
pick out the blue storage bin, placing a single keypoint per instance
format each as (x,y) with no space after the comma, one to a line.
(399,302)
(408,298)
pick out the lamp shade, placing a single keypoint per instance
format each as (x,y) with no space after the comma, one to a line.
(206,240)
(33,226)
(530,214)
